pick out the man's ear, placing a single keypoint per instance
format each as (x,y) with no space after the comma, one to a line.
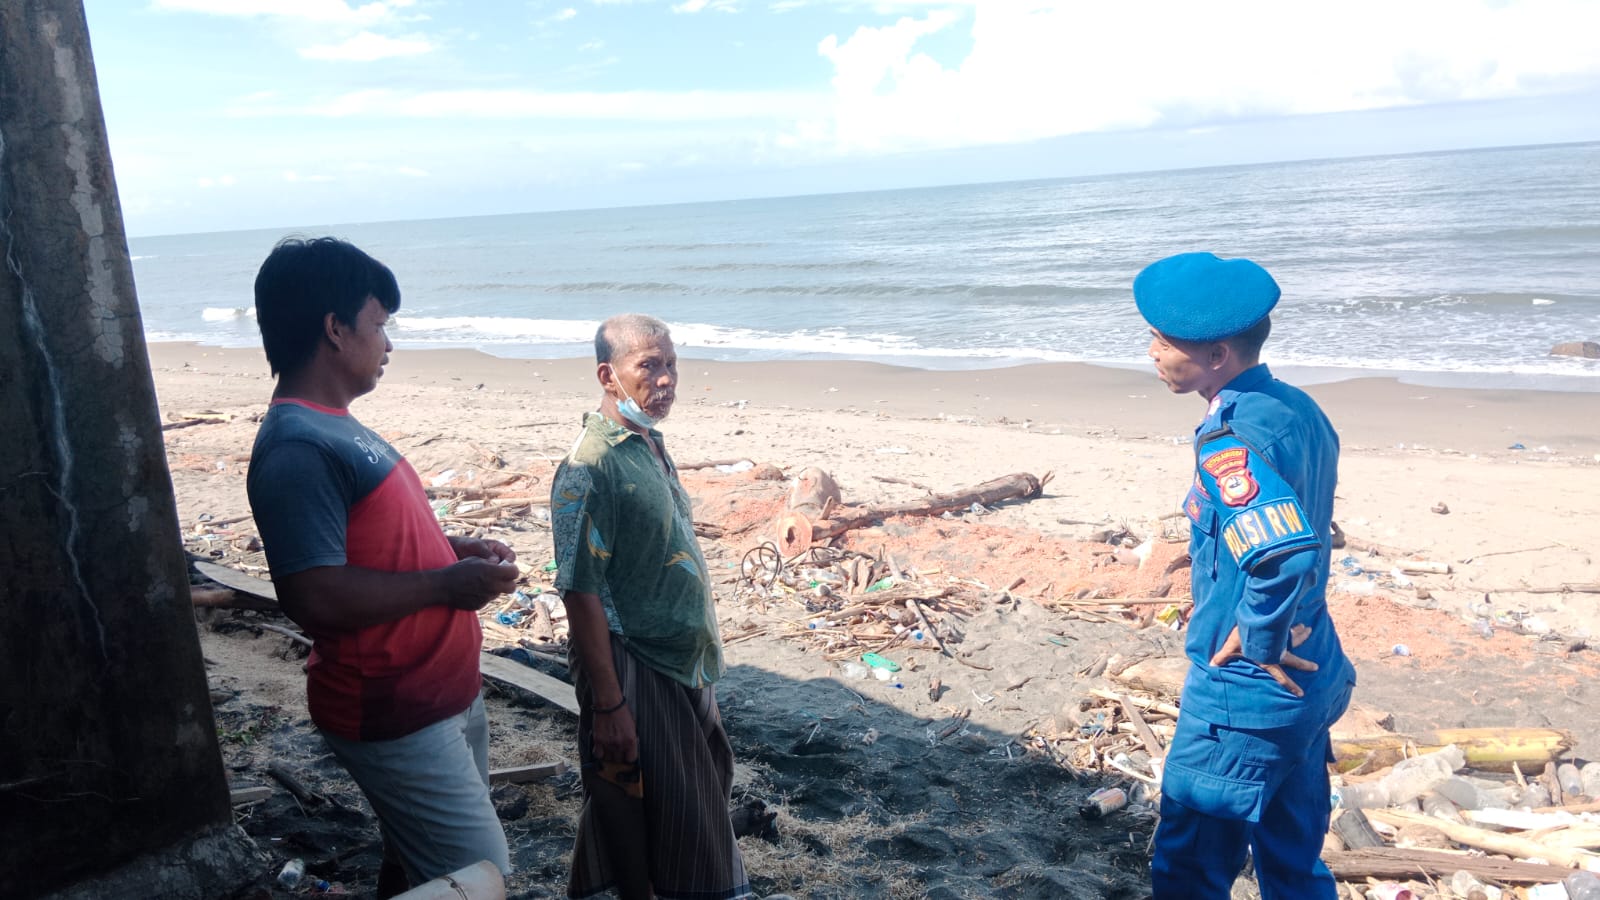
(605,373)
(333,330)
(1219,354)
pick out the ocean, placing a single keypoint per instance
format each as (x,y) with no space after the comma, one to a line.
(1449,268)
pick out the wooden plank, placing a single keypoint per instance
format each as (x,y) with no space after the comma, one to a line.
(254,793)
(528,679)
(525,774)
(1394,862)
(239,581)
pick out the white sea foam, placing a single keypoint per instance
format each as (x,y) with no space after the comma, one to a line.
(491,331)
(227,313)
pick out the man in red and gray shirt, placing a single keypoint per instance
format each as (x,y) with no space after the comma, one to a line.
(359,561)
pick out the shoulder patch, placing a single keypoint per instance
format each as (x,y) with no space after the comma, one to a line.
(1231,469)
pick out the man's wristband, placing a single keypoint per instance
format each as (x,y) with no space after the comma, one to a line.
(611,709)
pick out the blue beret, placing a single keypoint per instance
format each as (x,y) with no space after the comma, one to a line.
(1201,297)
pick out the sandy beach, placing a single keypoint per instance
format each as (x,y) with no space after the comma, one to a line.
(1503,487)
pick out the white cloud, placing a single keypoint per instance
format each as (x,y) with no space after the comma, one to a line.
(369,47)
(207,181)
(642,106)
(1040,69)
(338,11)
(412,172)
(694,6)
(591,46)
(565,14)
(295,177)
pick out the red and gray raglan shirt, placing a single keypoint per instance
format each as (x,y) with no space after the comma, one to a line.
(326,491)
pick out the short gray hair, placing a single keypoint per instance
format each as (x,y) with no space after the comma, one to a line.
(623,332)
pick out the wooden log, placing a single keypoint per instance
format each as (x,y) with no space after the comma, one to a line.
(713,463)
(1162,676)
(1422,567)
(1490,749)
(525,774)
(1493,841)
(291,780)
(1145,703)
(1018,486)
(528,679)
(1438,865)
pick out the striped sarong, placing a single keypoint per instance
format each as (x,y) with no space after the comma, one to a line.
(678,839)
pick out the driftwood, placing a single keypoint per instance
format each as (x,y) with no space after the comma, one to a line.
(1019,486)
(1162,676)
(1391,862)
(1493,841)
(713,463)
(289,779)
(813,496)
(1489,749)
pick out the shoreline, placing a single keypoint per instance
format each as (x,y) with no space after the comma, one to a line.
(1370,412)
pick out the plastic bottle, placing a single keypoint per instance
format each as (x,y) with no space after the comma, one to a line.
(1582,886)
(855,671)
(1362,795)
(1536,796)
(1464,885)
(1570,779)
(1439,806)
(292,872)
(1552,891)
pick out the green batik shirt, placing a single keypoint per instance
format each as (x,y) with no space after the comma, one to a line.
(623,532)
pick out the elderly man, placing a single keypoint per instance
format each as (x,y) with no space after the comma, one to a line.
(1247,768)
(657,766)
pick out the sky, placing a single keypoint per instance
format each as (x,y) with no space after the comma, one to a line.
(236,114)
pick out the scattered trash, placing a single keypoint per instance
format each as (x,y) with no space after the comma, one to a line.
(1441,508)
(880,662)
(1401,650)
(1517,446)
(743,465)
(1103,802)
(292,872)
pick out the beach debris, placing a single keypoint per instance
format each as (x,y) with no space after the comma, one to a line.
(1441,508)
(798,528)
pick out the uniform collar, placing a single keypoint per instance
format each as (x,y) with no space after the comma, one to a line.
(613,432)
(1245,381)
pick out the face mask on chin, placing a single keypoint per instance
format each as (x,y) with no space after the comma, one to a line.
(630,409)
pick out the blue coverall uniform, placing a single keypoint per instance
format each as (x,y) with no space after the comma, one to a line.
(1247,767)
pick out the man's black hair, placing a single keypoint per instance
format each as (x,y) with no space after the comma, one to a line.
(1248,342)
(301,282)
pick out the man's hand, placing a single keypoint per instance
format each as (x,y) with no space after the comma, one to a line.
(492,550)
(614,737)
(471,583)
(1233,648)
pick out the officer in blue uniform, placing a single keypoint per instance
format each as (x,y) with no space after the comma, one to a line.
(1247,768)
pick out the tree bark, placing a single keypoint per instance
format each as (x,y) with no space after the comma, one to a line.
(105,721)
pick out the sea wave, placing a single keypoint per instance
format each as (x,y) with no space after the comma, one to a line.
(227,313)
